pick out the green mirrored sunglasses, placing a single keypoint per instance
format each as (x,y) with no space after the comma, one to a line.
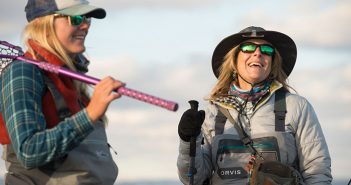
(249,47)
(76,20)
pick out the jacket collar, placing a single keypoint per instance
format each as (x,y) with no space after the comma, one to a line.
(273,88)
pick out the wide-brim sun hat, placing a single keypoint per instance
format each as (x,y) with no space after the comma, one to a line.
(283,43)
(39,8)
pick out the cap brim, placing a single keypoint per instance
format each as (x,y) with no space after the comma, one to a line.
(84,9)
(283,43)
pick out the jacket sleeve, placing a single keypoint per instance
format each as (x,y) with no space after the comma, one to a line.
(34,145)
(314,158)
(203,163)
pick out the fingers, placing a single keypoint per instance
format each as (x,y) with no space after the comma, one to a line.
(107,85)
(194,104)
(201,114)
(200,117)
(250,164)
(102,96)
(104,89)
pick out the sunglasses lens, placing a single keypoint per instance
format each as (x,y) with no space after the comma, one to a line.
(248,48)
(251,47)
(88,19)
(76,20)
(266,49)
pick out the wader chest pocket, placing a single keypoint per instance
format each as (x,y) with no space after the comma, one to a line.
(232,156)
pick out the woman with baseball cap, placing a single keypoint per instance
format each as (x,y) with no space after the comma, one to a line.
(254,130)
(55,130)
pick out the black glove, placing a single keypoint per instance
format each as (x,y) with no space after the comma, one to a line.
(191,121)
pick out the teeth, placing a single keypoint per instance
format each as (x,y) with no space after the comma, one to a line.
(79,37)
(255,64)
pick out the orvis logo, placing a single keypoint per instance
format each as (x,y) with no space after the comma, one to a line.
(232,173)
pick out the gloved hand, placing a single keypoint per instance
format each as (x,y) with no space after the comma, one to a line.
(191,121)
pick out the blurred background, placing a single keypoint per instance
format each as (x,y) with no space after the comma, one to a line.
(164,48)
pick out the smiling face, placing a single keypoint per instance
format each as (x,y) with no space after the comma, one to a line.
(253,67)
(71,37)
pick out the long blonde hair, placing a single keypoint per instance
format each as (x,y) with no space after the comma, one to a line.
(42,31)
(229,67)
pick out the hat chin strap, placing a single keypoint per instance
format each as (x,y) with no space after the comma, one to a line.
(252,84)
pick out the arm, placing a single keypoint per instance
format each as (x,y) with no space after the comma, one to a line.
(22,91)
(314,158)
(203,162)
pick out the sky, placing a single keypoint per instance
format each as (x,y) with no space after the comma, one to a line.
(164,48)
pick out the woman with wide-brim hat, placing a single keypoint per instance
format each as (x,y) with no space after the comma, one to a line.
(253,118)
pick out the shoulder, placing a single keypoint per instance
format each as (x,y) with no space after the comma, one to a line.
(211,109)
(211,113)
(208,127)
(20,67)
(296,100)
(292,99)
(21,73)
(299,108)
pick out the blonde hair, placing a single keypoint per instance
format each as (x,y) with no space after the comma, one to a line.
(42,31)
(228,68)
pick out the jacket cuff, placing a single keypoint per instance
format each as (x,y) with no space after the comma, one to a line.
(82,123)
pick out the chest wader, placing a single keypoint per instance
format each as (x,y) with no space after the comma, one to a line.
(90,163)
(264,147)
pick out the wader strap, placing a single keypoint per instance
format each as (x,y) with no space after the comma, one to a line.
(243,136)
(60,104)
(280,110)
(220,123)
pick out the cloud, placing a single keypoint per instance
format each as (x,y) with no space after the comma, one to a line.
(316,23)
(122,4)
(174,81)
(327,27)
(146,141)
(12,19)
(327,82)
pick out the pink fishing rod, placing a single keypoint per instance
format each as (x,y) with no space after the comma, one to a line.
(10,52)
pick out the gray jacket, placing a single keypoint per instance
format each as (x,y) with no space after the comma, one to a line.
(222,160)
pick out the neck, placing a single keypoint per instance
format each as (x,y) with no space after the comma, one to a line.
(72,55)
(247,85)
(244,85)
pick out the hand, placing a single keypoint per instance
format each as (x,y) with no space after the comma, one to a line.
(191,121)
(102,96)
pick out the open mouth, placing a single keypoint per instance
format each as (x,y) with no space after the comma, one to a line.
(79,37)
(254,64)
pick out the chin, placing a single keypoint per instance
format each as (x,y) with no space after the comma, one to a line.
(78,50)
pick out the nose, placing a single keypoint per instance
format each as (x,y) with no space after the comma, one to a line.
(85,24)
(257,52)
